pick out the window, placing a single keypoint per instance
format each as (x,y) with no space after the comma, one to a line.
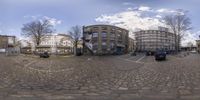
(103,43)
(104,47)
(95,35)
(112,36)
(104,34)
(119,36)
(104,28)
(96,28)
(95,47)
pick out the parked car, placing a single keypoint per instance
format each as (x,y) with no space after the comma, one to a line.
(44,55)
(160,55)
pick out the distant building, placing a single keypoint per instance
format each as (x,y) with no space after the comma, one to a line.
(198,45)
(151,40)
(53,44)
(105,39)
(7,44)
(131,45)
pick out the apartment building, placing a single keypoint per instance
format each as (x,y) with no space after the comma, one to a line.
(132,45)
(151,40)
(7,45)
(105,39)
(53,44)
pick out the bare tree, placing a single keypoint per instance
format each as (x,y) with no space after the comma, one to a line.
(179,23)
(75,32)
(37,29)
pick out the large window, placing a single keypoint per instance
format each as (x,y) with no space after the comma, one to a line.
(95,35)
(104,34)
(104,28)
(95,46)
(112,35)
(103,43)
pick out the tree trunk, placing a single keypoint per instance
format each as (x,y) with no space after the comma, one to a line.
(176,43)
(38,43)
(178,39)
(179,43)
(75,47)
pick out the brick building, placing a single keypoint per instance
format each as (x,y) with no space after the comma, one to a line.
(105,39)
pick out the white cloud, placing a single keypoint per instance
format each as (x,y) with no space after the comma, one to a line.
(144,8)
(142,18)
(197,35)
(129,8)
(53,21)
(0,31)
(189,37)
(162,10)
(177,11)
(131,20)
(158,16)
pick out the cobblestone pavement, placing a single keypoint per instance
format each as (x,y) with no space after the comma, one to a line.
(100,78)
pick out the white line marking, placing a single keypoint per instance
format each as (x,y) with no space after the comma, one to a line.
(140,58)
(130,60)
(131,57)
(30,63)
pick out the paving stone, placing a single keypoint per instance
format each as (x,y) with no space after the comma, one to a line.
(100,77)
(92,94)
(123,88)
(184,92)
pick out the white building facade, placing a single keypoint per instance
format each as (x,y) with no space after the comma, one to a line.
(53,44)
(151,40)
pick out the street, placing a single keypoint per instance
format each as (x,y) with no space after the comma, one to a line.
(100,78)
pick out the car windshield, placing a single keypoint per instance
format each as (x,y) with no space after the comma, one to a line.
(99,49)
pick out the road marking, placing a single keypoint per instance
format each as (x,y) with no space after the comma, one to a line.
(140,58)
(28,67)
(30,63)
(130,60)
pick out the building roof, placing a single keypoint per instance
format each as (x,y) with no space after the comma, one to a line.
(60,34)
(105,25)
(6,36)
(153,30)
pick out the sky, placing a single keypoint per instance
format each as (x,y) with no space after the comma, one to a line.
(63,14)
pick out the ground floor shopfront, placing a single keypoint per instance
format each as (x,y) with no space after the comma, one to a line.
(50,50)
